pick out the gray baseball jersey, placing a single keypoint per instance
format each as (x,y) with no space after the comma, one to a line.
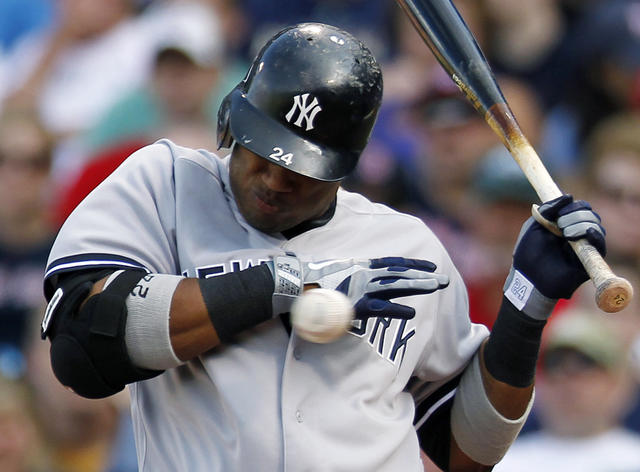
(271,401)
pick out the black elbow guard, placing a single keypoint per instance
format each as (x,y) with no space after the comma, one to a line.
(88,351)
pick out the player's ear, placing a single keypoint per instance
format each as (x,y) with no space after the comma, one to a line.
(225,139)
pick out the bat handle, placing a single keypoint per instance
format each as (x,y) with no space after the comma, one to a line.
(613,293)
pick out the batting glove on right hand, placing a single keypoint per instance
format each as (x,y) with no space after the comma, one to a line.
(369,283)
(545,267)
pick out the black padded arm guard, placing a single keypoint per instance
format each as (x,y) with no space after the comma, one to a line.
(88,351)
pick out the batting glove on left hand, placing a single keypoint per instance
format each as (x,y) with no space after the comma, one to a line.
(545,267)
(369,283)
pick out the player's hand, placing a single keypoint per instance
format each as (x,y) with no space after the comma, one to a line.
(371,283)
(545,259)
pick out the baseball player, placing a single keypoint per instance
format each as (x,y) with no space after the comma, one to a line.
(175,277)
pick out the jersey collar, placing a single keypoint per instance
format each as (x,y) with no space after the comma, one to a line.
(311,224)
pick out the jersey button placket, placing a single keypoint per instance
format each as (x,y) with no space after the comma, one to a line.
(297,455)
(297,353)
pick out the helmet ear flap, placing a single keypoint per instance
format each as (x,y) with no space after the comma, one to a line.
(225,139)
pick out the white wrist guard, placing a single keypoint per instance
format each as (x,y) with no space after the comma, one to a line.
(480,431)
(288,282)
(147,330)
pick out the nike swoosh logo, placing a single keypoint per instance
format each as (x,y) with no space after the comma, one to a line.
(320,265)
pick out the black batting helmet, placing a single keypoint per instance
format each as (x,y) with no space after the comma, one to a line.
(308,102)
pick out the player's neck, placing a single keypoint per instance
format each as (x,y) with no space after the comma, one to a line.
(312,223)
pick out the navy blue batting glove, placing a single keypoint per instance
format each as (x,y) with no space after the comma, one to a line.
(545,268)
(388,278)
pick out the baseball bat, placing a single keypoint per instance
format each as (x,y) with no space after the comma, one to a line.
(444,31)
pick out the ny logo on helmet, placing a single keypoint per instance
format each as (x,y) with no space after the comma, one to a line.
(306,112)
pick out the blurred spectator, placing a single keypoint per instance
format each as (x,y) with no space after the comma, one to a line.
(389,169)
(573,9)
(186,85)
(627,325)
(386,171)
(106,161)
(626,322)
(26,234)
(368,20)
(611,183)
(234,24)
(463,181)
(80,435)
(96,52)
(179,101)
(499,200)
(452,139)
(413,70)
(583,391)
(455,173)
(73,70)
(521,35)
(88,176)
(21,17)
(593,74)
(21,448)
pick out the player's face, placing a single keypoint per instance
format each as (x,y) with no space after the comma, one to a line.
(272,198)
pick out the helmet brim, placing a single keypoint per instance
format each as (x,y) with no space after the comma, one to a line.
(275,142)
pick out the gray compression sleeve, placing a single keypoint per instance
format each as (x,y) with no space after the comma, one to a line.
(480,430)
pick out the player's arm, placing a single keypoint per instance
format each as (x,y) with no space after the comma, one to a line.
(495,392)
(131,325)
(190,329)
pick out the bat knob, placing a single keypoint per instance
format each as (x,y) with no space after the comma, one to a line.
(613,294)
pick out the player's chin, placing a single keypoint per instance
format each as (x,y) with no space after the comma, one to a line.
(270,223)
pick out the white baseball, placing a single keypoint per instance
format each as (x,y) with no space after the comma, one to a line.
(321,315)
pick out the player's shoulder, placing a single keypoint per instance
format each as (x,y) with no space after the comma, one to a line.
(376,221)
(623,436)
(356,205)
(166,154)
(168,150)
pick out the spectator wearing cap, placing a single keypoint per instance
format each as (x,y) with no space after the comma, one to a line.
(179,101)
(453,138)
(475,197)
(584,389)
(189,76)
(499,199)
(72,71)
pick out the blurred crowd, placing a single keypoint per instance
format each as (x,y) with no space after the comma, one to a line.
(84,83)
